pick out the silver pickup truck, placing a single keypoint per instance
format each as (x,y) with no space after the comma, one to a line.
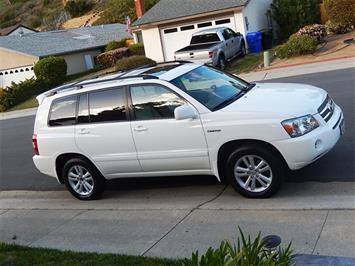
(213,46)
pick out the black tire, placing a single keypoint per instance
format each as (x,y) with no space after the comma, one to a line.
(276,165)
(222,62)
(98,181)
(243,50)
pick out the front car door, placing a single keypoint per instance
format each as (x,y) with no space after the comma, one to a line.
(163,143)
(236,41)
(103,132)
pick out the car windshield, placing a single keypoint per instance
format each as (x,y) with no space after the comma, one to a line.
(211,87)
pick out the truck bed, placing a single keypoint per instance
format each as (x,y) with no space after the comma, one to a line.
(196,47)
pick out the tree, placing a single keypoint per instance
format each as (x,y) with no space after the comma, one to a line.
(291,15)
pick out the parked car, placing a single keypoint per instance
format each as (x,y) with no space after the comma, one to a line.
(182,118)
(213,46)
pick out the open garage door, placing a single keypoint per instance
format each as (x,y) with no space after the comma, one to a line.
(175,38)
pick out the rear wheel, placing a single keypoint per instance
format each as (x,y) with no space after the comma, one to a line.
(255,172)
(222,62)
(83,180)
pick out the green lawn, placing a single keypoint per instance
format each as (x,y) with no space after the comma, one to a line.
(18,255)
(246,64)
(30,103)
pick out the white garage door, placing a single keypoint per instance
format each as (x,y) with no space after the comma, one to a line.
(175,38)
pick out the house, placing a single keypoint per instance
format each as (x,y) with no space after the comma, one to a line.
(79,47)
(17,29)
(168,26)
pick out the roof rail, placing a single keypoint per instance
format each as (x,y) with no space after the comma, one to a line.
(81,83)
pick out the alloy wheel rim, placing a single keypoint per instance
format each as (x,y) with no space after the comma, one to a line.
(80,180)
(253,173)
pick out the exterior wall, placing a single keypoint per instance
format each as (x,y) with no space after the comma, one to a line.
(255,11)
(152,44)
(11,59)
(239,23)
(76,61)
(15,75)
(19,30)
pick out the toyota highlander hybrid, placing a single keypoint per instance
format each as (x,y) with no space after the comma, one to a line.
(181,118)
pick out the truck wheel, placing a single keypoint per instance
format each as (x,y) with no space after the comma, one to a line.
(254,172)
(222,62)
(83,180)
(243,50)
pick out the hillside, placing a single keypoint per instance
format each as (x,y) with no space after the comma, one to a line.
(55,14)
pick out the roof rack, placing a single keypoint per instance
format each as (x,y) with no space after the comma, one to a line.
(80,84)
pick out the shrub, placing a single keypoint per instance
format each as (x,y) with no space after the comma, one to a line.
(20,92)
(337,28)
(109,59)
(116,44)
(246,252)
(51,69)
(133,62)
(136,49)
(291,15)
(78,7)
(341,11)
(317,31)
(297,45)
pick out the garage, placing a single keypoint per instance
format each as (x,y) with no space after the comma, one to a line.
(175,38)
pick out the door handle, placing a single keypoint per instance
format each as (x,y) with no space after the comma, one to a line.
(84,131)
(140,128)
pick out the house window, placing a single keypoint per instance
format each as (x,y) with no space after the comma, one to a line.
(223,21)
(205,24)
(190,27)
(170,30)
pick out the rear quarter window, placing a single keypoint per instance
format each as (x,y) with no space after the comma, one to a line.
(62,112)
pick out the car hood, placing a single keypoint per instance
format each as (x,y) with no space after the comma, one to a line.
(280,98)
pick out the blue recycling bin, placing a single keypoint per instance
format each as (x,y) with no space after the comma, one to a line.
(254,40)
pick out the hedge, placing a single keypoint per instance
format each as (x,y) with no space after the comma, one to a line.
(109,59)
(116,44)
(341,11)
(20,92)
(51,69)
(297,45)
(133,62)
(136,49)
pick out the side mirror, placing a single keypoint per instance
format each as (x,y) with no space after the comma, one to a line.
(185,111)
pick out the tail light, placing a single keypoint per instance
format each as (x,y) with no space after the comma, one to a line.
(210,54)
(35,144)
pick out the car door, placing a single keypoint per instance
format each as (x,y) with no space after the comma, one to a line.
(164,143)
(103,131)
(236,41)
(228,44)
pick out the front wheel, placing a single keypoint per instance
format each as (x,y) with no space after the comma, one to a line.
(243,50)
(255,172)
(83,180)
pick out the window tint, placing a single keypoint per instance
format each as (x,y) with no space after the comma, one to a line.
(83,110)
(205,38)
(154,102)
(107,105)
(223,21)
(190,27)
(63,112)
(170,31)
(226,35)
(206,24)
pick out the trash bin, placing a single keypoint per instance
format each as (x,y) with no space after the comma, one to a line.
(254,40)
(267,38)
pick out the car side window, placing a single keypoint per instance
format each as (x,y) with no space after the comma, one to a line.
(226,35)
(154,102)
(231,33)
(107,106)
(62,112)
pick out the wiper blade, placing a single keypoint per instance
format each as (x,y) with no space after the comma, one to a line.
(228,101)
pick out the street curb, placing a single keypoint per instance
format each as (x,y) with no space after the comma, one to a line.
(18,113)
(306,63)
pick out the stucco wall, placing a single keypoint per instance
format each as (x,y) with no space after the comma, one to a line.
(152,44)
(11,59)
(239,22)
(76,62)
(255,11)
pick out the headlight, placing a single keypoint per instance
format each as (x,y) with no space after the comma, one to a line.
(300,126)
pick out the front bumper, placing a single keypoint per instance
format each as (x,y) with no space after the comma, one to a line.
(301,151)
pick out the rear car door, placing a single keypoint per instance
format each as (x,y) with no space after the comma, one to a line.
(164,143)
(103,131)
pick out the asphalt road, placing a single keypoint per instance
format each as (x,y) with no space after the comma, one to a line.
(17,171)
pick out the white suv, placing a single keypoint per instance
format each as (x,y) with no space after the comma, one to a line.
(179,118)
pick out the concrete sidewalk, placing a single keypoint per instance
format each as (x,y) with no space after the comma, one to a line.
(319,218)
